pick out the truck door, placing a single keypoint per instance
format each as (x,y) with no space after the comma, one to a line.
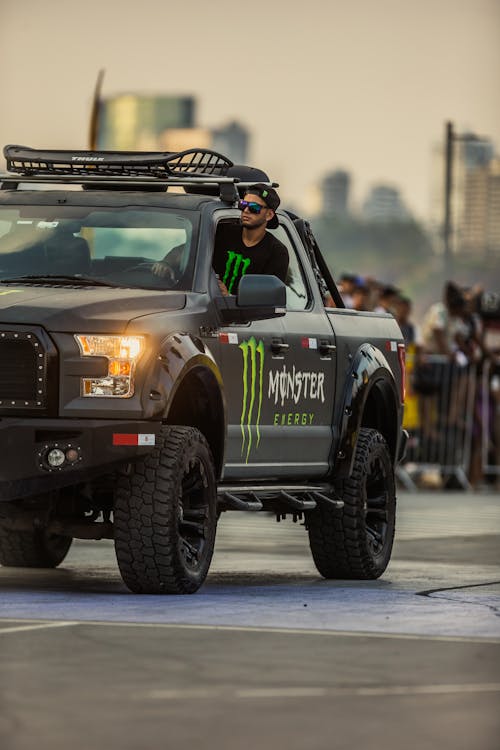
(279,380)
(301,387)
(248,355)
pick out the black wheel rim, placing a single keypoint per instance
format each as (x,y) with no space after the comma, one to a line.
(194,518)
(377,504)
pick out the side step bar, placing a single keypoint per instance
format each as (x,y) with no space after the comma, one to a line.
(232,502)
(281,499)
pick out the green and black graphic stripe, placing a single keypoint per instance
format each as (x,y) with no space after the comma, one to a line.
(253,376)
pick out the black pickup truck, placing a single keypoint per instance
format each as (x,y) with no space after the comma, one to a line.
(139,406)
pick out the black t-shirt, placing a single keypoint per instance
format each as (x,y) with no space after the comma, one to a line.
(233,259)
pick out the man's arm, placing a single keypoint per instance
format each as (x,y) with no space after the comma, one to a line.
(223,236)
(170,263)
(278,261)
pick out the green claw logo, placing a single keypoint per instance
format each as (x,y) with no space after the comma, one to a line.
(253,374)
(232,270)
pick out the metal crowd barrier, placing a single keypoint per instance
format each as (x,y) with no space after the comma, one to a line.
(441,421)
(490,420)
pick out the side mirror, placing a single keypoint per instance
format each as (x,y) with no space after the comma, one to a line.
(259,297)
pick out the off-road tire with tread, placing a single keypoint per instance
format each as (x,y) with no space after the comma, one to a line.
(165,515)
(355,542)
(32,549)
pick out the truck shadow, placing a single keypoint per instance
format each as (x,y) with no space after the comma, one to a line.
(108,582)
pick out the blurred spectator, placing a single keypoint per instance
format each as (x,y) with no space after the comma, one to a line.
(387,299)
(474,347)
(360,297)
(440,381)
(346,285)
(453,372)
(495,398)
(444,326)
(374,288)
(473,343)
(402,313)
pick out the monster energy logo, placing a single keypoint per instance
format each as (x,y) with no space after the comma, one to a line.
(235,262)
(253,373)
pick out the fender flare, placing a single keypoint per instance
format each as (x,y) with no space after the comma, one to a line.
(368,376)
(186,366)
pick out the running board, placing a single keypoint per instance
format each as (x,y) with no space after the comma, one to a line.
(276,498)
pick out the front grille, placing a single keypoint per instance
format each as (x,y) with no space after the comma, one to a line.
(23,369)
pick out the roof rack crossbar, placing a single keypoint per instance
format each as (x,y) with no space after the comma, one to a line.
(196,161)
(84,179)
(227,186)
(249,183)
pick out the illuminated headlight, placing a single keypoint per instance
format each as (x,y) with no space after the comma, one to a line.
(122,353)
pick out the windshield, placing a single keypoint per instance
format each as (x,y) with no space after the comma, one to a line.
(146,248)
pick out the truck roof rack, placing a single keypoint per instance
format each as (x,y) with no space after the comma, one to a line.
(197,170)
(197,161)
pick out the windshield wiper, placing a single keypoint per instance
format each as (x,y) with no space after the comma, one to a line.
(62,279)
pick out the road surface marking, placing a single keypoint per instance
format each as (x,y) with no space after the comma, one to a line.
(321,692)
(269,630)
(489,687)
(40,626)
(283,692)
(298,631)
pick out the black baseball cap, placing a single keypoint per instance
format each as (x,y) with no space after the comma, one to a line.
(270,198)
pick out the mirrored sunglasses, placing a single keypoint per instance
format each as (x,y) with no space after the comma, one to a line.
(254,208)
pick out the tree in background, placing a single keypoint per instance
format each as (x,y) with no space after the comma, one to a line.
(399,253)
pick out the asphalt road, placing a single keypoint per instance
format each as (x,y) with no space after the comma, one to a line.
(267,654)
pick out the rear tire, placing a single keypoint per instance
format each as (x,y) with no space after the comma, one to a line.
(165,516)
(32,549)
(355,542)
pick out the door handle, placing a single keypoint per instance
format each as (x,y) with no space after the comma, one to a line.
(278,346)
(325,347)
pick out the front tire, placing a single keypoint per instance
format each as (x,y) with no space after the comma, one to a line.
(165,516)
(355,542)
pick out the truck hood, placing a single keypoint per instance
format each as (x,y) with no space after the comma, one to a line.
(88,309)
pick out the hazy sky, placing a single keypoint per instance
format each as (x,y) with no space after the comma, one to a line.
(364,85)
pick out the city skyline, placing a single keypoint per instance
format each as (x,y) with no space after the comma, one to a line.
(362,87)
(131,121)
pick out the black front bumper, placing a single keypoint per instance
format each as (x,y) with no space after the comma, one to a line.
(96,447)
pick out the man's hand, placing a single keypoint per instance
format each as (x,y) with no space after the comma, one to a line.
(222,287)
(163,270)
(328,300)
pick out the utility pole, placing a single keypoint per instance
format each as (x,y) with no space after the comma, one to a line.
(96,112)
(448,186)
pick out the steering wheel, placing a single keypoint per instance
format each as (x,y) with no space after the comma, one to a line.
(158,269)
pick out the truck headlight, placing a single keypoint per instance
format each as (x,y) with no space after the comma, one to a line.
(122,353)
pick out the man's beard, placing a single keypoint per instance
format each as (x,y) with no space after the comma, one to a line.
(262,222)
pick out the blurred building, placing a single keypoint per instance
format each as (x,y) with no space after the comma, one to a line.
(474,196)
(493,225)
(478,198)
(232,140)
(136,121)
(476,152)
(384,204)
(334,191)
(182,139)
